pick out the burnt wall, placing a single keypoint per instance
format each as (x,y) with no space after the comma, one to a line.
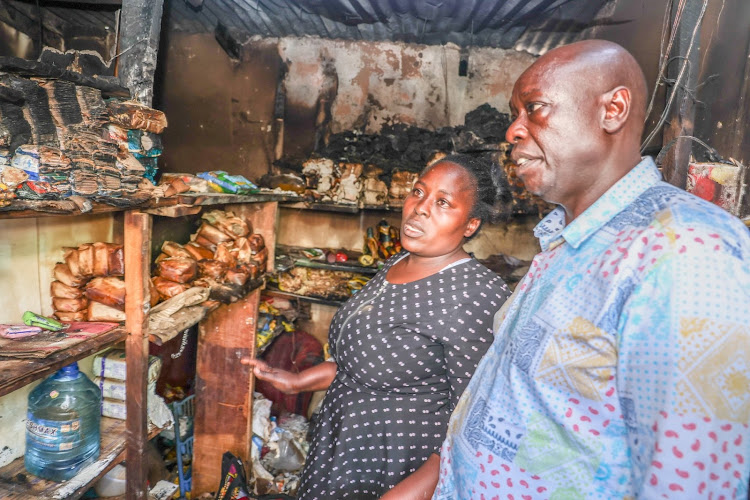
(222,111)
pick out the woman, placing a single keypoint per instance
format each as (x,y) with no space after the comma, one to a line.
(405,345)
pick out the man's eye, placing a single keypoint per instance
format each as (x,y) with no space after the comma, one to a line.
(443,202)
(416,191)
(531,107)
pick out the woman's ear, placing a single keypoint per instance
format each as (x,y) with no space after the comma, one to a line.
(471,227)
(616,109)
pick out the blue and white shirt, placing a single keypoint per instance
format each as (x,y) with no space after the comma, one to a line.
(622,367)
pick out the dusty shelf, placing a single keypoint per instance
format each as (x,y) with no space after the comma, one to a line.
(314,300)
(16,483)
(18,372)
(338,207)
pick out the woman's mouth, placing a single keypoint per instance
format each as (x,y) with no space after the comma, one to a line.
(412,229)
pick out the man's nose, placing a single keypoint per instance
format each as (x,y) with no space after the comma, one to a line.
(516,131)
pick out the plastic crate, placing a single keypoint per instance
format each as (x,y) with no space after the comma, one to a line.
(184,440)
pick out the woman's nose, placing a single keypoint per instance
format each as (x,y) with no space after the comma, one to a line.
(516,131)
(422,207)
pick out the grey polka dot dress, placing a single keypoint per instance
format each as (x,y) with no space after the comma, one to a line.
(404,355)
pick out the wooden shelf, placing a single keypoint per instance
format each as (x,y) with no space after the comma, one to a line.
(338,207)
(314,300)
(173,206)
(295,257)
(16,483)
(16,373)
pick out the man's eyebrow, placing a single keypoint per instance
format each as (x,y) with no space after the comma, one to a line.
(529,92)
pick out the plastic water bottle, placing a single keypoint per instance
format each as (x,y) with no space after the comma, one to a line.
(62,427)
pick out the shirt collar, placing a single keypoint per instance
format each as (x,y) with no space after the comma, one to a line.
(552,229)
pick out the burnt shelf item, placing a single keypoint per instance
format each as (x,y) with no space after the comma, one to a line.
(109,86)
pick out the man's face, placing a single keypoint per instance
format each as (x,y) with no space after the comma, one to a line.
(555,134)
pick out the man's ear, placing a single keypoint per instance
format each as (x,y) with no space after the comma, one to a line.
(616,109)
(471,227)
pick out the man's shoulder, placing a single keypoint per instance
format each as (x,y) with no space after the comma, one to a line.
(664,204)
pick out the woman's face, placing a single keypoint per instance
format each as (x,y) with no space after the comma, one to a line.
(436,214)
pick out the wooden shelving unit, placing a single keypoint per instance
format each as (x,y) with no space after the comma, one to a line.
(121,439)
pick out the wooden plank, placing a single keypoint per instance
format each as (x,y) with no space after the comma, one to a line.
(263,217)
(174,211)
(139,44)
(225,198)
(17,484)
(137,263)
(223,413)
(16,373)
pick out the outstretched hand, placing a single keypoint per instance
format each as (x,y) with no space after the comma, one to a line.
(281,379)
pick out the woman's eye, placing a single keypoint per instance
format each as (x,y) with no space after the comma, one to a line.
(416,191)
(443,203)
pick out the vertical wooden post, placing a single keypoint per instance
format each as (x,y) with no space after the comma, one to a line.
(223,397)
(137,250)
(139,43)
(683,69)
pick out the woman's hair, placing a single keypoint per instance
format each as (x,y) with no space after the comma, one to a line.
(489,184)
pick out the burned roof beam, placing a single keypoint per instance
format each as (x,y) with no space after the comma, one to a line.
(139,44)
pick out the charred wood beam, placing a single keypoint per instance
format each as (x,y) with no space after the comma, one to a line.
(682,73)
(68,3)
(234,41)
(139,44)
(110,86)
(9,94)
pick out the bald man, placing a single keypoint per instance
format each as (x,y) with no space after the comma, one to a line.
(621,367)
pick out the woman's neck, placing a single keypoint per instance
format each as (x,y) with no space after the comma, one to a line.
(414,267)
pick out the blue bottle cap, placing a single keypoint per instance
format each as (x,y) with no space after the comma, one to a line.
(68,371)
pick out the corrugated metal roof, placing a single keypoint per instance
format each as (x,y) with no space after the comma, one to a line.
(532,25)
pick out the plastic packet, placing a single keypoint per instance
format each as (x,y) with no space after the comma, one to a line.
(223,182)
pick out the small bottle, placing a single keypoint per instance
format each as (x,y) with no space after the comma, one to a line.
(62,427)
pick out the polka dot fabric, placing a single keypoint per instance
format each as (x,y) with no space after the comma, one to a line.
(405,353)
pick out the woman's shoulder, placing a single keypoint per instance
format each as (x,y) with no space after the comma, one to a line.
(480,278)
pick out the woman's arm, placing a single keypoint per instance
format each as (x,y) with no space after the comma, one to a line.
(313,379)
(419,485)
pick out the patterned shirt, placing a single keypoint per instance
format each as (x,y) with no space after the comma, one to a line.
(622,367)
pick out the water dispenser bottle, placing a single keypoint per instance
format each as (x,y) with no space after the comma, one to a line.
(62,427)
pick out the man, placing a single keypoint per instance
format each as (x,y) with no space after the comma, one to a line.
(622,367)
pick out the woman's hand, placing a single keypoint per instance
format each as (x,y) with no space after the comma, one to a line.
(282,380)
(317,378)
(420,484)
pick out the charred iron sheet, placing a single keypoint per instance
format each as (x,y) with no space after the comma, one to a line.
(486,23)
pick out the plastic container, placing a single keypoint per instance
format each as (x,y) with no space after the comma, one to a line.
(62,427)
(112,484)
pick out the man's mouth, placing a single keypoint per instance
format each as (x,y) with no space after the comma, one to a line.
(523,164)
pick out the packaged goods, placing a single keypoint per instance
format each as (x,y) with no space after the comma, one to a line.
(111,364)
(33,319)
(102,312)
(107,290)
(18,331)
(223,182)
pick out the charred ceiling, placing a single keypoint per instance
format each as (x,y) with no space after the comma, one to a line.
(530,25)
(487,23)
